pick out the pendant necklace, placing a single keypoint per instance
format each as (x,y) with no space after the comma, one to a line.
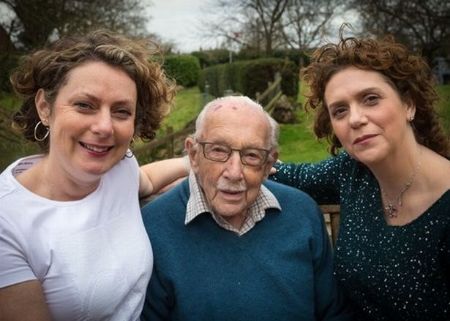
(392,207)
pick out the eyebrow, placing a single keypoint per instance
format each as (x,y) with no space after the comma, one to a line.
(243,147)
(360,93)
(96,99)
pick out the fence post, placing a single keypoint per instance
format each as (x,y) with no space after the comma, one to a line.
(205,94)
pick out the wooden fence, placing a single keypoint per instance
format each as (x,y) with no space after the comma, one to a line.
(267,99)
(168,141)
(271,95)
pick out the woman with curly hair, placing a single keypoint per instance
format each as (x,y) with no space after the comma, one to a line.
(72,242)
(375,100)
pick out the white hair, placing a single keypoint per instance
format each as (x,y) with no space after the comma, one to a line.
(238,100)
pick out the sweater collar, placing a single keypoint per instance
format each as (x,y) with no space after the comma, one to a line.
(198,205)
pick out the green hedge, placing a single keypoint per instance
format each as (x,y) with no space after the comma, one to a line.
(7,63)
(212,57)
(249,77)
(183,68)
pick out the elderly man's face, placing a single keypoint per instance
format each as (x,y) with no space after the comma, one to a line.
(231,187)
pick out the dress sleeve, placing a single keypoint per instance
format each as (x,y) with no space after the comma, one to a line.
(320,180)
(14,267)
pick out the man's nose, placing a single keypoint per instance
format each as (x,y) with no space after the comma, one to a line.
(234,166)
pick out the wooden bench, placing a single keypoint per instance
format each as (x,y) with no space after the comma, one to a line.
(331,214)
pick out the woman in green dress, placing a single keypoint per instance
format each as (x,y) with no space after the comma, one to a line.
(390,173)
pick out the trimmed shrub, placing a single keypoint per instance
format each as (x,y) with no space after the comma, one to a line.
(183,68)
(212,57)
(250,77)
(7,63)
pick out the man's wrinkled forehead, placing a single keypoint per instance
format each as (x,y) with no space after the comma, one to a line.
(226,105)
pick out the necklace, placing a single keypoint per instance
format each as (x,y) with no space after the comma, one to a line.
(392,207)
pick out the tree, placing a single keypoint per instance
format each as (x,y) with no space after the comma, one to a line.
(35,22)
(421,25)
(265,25)
(306,22)
(251,24)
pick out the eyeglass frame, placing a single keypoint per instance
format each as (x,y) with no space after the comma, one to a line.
(263,161)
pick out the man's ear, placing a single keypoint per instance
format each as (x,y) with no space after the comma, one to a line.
(192,151)
(43,107)
(273,157)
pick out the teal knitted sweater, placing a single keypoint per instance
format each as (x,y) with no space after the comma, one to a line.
(279,270)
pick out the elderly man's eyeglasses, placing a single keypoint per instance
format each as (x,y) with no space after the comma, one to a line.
(221,153)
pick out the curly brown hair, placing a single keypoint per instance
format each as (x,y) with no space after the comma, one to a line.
(48,69)
(409,73)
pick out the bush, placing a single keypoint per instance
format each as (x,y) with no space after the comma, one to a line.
(293,55)
(7,63)
(183,68)
(212,57)
(250,77)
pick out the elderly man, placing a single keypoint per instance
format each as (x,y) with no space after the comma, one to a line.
(229,245)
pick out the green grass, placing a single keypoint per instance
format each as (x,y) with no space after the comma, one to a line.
(298,143)
(187,105)
(9,102)
(444,106)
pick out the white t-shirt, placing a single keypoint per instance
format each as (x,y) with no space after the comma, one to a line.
(92,256)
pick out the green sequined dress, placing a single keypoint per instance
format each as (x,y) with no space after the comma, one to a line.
(387,272)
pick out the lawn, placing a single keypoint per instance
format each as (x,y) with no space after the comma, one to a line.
(444,106)
(297,142)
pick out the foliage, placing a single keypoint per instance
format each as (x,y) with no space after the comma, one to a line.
(183,68)
(293,55)
(444,106)
(262,26)
(212,57)
(421,25)
(7,63)
(250,77)
(12,145)
(33,23)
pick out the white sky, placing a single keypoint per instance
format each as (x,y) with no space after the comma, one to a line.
(177,21)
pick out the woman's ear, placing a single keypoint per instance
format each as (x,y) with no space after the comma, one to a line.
(410,109)
(42,107)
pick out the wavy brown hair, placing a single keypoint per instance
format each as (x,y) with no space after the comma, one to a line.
(48,69)
(409,73)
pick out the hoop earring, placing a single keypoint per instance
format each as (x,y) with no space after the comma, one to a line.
(41,139)
(128,154)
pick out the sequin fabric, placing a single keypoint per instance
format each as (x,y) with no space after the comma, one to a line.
(387,272)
